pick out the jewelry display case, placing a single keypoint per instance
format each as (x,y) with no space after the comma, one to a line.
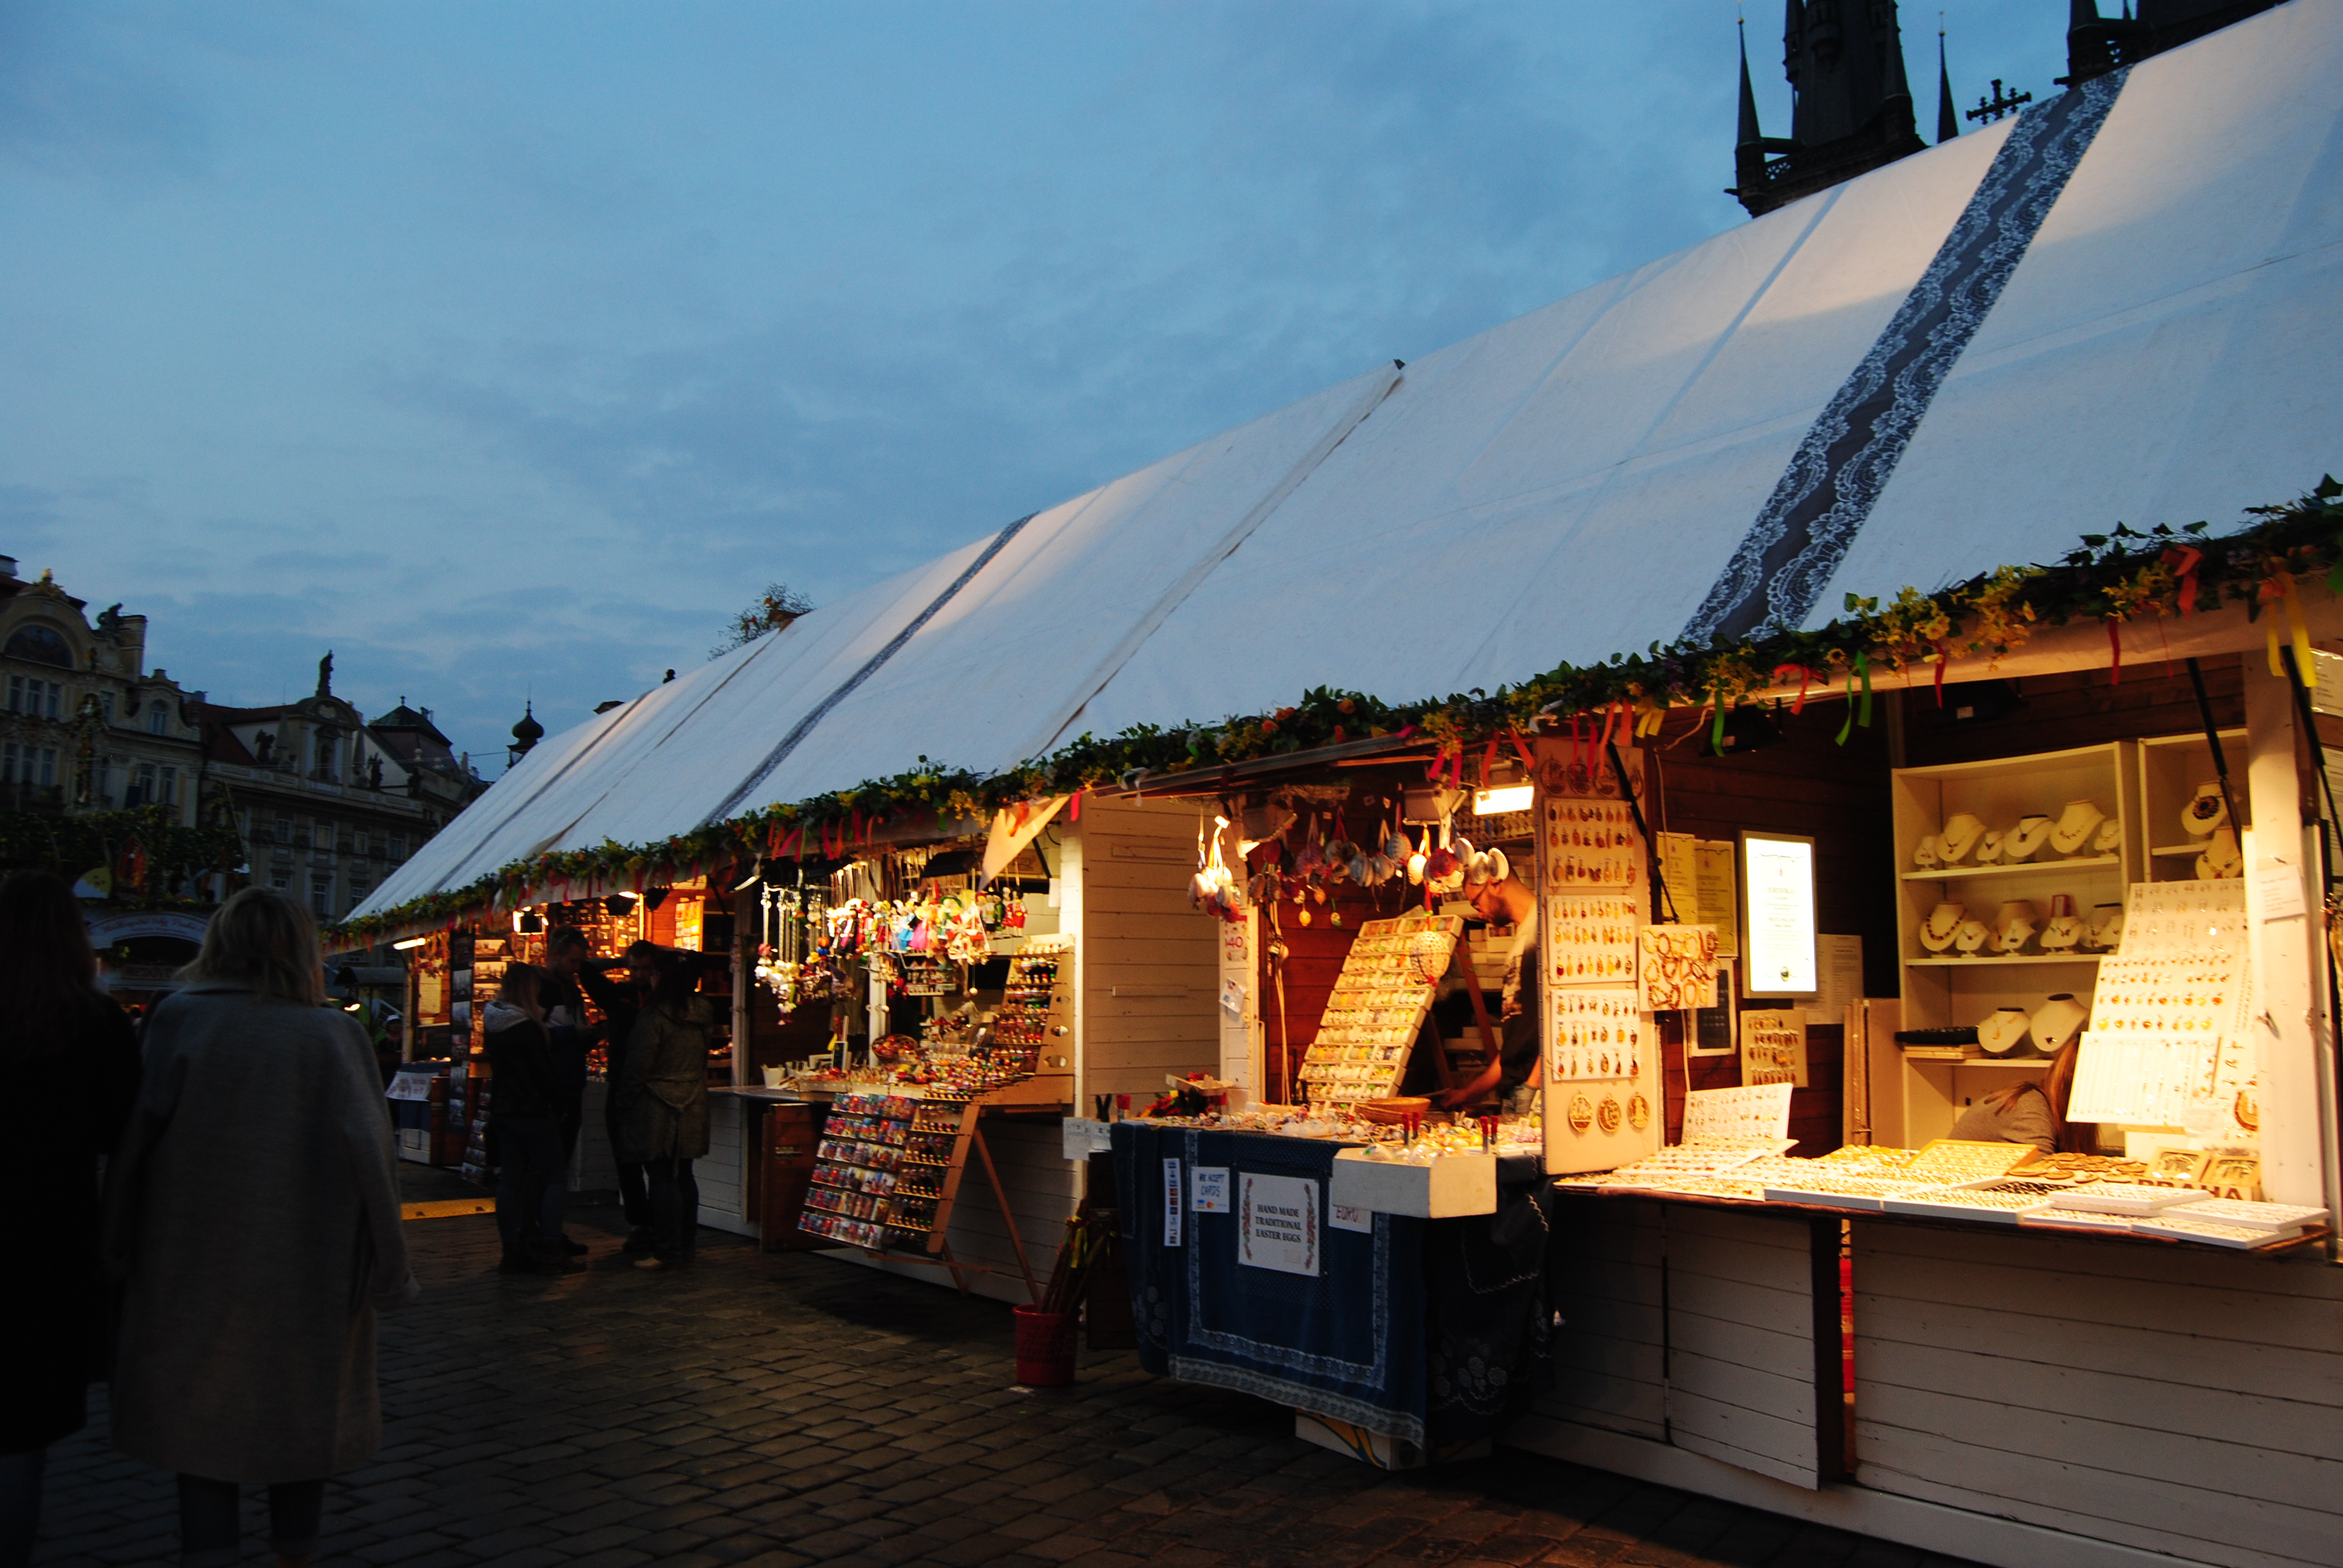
(2061,833)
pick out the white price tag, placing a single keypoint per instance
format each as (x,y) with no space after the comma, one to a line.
(1172,1208)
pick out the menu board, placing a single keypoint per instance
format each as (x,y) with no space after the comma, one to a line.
(1379,1003)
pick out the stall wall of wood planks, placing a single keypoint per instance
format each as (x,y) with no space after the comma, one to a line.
(2022,1400)
(2180,1400)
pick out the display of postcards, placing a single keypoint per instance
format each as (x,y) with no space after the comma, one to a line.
(1590,846)
(1589,939)
(1597,1034)
(2123,1198)
(1675,967)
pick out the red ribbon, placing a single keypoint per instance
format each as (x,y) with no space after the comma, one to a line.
(1804,675)
(2184,560)
(1522,747)
(1944,662)
(1075,807)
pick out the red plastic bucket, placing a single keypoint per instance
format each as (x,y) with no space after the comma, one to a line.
(1045,1348)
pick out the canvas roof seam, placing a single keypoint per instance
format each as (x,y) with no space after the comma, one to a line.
(1392,376)
(593,744)
(805,726)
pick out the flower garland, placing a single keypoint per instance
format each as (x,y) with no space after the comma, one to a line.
(146,852)
(2112,579)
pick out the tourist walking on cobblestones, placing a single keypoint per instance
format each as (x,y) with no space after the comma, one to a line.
(254,1212)
(71,1066)
(524,1112)
(663,1105)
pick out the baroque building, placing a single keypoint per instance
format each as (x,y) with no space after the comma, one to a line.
(327,801)
(84,726)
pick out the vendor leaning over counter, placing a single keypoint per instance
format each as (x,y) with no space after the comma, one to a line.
(1513,1075)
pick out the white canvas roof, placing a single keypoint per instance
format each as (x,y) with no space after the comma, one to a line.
(1572,483)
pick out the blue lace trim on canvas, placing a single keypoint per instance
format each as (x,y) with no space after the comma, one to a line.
(1794,548)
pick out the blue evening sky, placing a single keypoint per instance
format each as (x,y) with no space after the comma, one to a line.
(507,348)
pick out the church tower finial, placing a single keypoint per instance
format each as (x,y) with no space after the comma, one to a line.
(1948,119)
(1851,103)
(1750,133)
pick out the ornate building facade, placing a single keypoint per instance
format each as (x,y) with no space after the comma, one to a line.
(327,801)
(84,726)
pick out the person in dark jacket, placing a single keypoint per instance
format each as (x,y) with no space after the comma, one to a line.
(620,1003)
(524,1110)
(72,1069)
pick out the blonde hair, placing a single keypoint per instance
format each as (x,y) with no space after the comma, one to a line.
(520,986)
(263,942)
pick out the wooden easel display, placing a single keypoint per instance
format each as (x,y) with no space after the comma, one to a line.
(895,1164)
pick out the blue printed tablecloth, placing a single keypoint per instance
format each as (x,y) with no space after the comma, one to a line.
(1425,1331)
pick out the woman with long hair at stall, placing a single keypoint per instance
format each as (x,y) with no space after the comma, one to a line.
(71,1065)
(254,1213)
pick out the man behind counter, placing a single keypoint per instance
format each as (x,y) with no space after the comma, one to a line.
(569,962)
(1506,901)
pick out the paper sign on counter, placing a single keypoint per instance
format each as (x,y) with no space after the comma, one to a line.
(1277,1222)
(1210,1189)
(1172,1207)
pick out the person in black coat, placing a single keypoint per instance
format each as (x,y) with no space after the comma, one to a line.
(71,1065)
(525,1102)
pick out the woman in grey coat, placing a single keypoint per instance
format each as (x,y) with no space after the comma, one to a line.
(663,1105)
(254,1212)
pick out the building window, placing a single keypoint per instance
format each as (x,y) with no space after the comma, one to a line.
(281,879)
(144,787)
(158,718)
(284,829)
(34,697)
(40,645)
(358,843)
(169,785)
(321,895)
(48,769)
(357,894)
(399,846)
(106,705)
(325,756)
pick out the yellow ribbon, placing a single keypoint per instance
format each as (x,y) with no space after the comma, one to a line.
(2304,668)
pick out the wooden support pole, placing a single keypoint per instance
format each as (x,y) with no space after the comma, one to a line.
(1001,1196)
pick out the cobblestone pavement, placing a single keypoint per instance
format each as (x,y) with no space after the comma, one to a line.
(779,1411)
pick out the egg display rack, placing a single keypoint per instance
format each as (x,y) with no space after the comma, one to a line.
(1378,1004)
(1036,1004)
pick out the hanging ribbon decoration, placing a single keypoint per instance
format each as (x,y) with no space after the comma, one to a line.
(2184,560)
(2115,650)
(1944,663)
(1860,668)
(1782,672)
(1521,748)
(1716,724)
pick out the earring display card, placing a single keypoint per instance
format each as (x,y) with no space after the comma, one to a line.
(1592,845)
(1590,939)
(2164,919)
(1773,1046)
(1597,1034)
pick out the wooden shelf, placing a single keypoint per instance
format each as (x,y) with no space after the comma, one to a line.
(1977,1060)
(2001,960)
(2016,869)
(2191,851)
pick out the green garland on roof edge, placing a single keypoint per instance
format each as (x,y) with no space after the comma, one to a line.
(2112,579)
(147,851)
